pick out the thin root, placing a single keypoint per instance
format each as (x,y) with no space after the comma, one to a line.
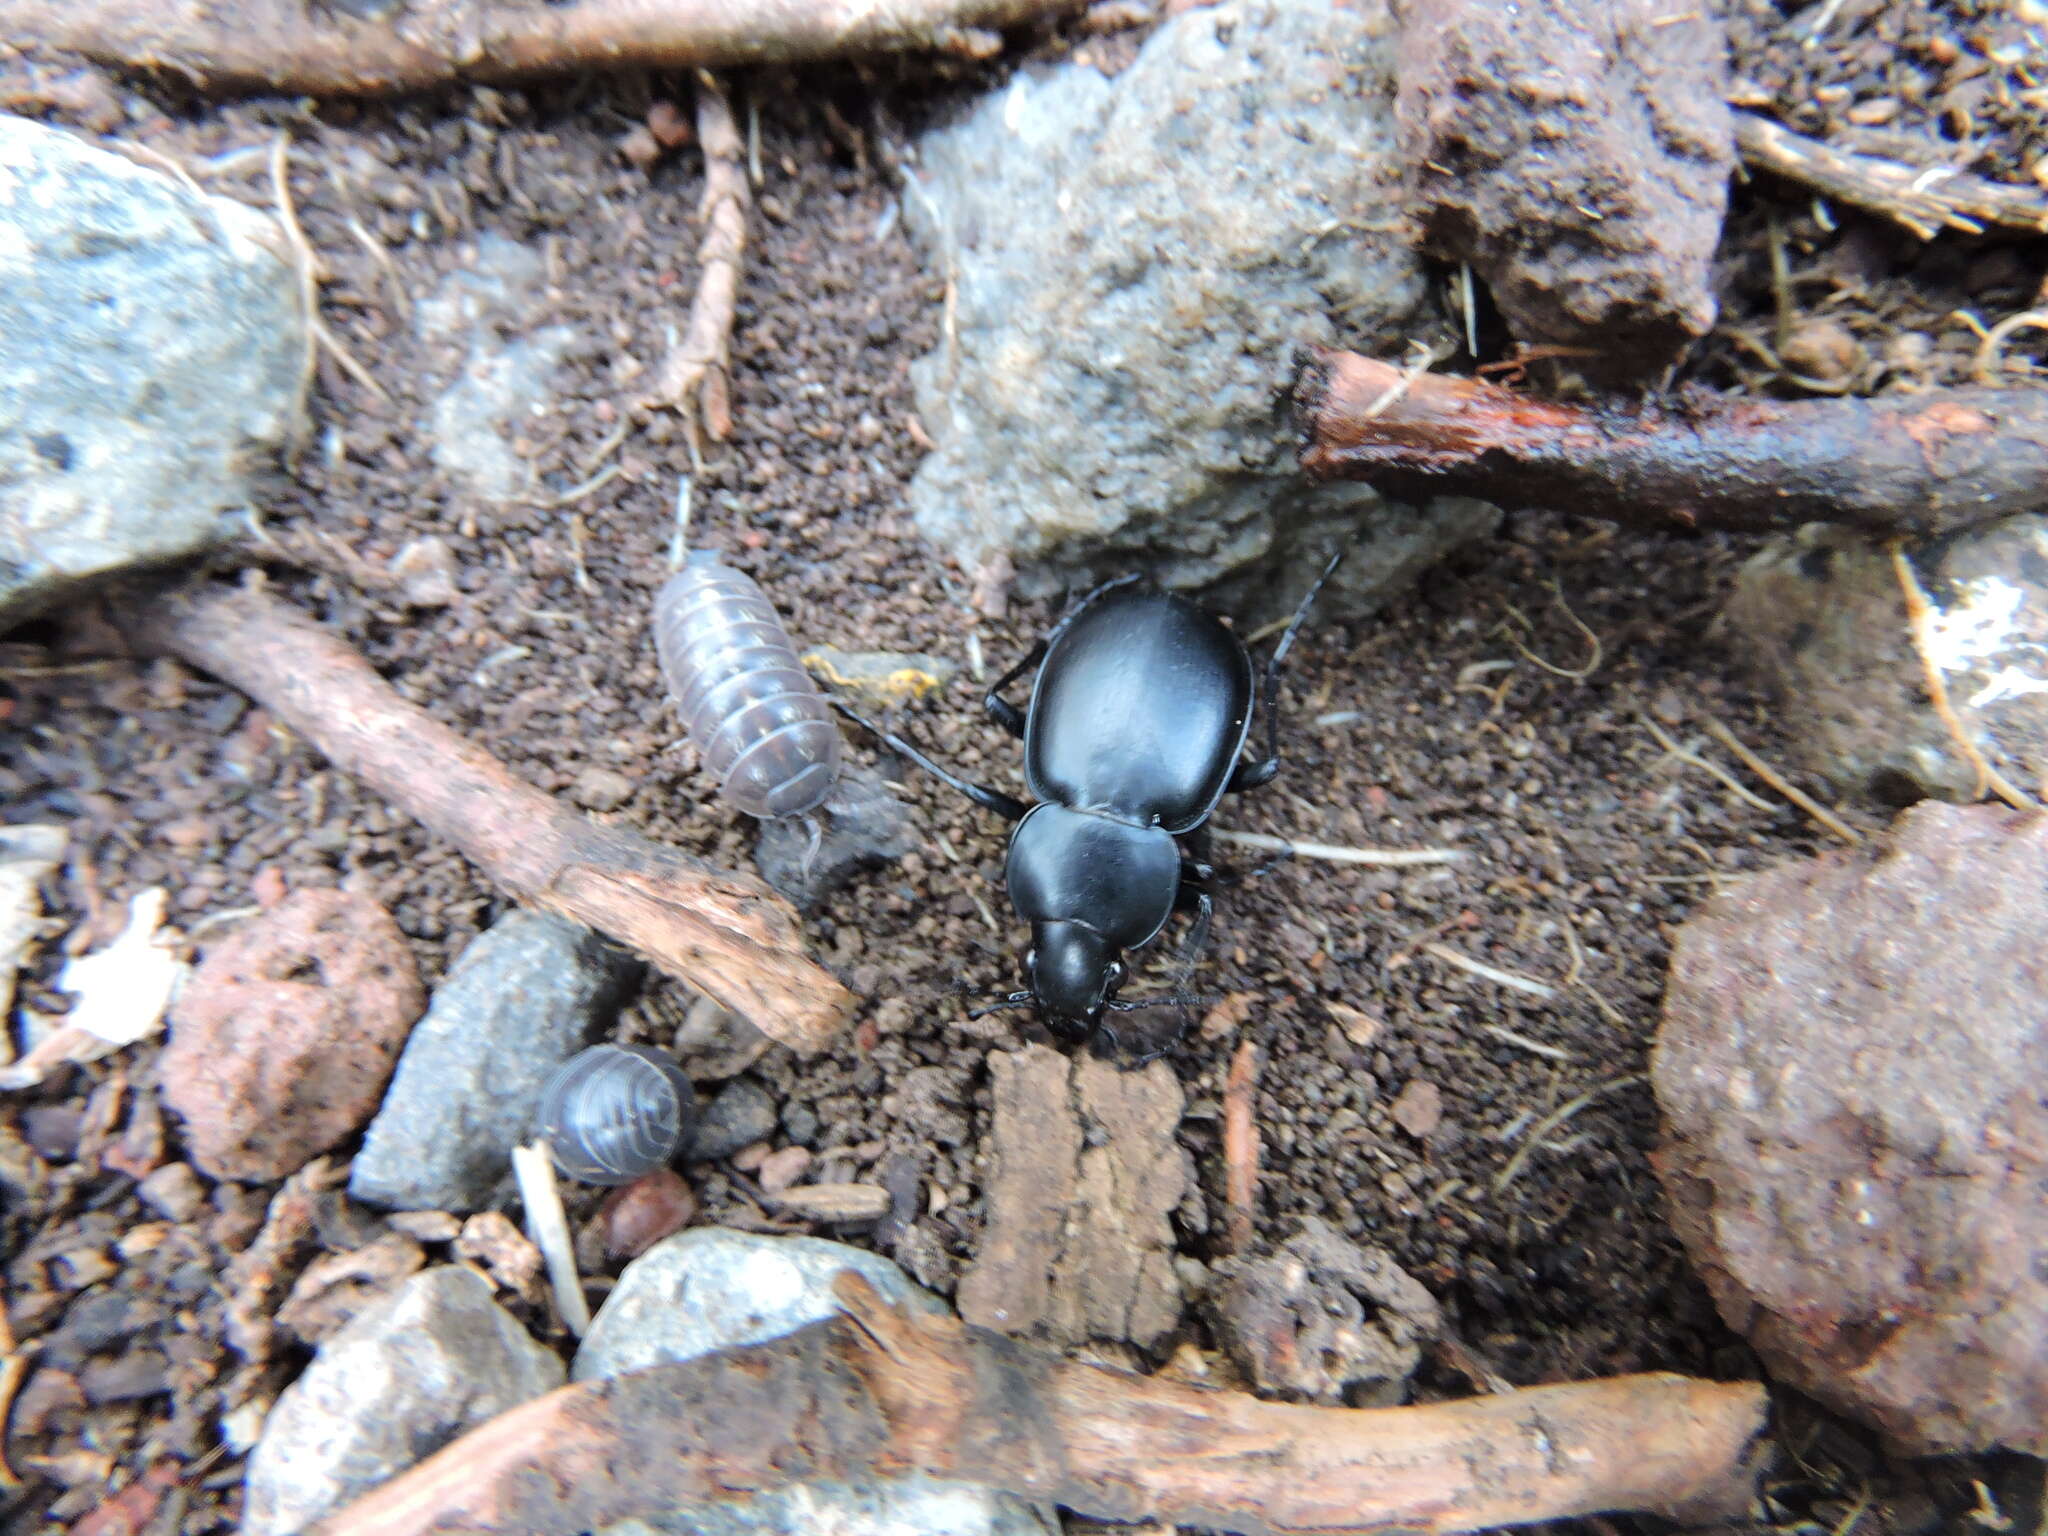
(1542,1129)
(1990,359)
(1919,610)
(1329,852)
(1594,649)
(306,262)
(1687,755)
(1780,783)
(1512,979)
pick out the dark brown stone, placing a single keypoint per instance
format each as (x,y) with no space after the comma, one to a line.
(1578,157)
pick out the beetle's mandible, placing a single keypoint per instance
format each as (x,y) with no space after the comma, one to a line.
(1137,725)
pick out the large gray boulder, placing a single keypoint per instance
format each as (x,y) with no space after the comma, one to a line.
(711,1288)
(152,353)
(1131,265)
(399,1382)
(525,996)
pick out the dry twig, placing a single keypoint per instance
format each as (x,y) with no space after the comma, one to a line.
(548,1225)
(725,934)
(287,47)
(882,1391)
(1921,464)
(1241,1146)
(1781,784)
(695,376)
(1926,201)
(1919,619)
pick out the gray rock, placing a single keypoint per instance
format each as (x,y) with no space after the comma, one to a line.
(394,1386)
(741,1115)
(1131,265)
(1818,617)
(861,826)
(712,1288)
(151,362)
(483,309)
(523,998)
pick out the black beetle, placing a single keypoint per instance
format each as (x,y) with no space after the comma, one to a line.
(1136,727)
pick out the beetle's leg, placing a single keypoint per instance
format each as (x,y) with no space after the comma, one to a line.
(1250,775)
(1000,709)
(1006,806)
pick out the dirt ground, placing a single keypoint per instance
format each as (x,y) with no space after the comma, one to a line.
(1519,706)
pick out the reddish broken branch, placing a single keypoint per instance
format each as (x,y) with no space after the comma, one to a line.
(1915,465)
(293,47)
(882,1392)
(725,934)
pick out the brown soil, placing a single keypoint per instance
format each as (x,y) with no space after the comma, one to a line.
(1507,708)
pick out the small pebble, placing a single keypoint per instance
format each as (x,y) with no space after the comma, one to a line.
(1419,1109)
(601,789)
(747,1159)
(740,1115)
(426,1226)
(641,1214)
(782,1169)
(836,1202)
(139,1373)
(1824,351)
(173,1191)
(801,1122)
(52,1129)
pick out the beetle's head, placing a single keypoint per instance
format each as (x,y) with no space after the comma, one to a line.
(1074,973)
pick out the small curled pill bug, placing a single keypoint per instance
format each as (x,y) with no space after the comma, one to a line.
(614,1112)
(741,694)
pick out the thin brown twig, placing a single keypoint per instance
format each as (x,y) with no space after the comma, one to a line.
(1919,615)
(1241,1147)
(1780,783)
(694,378)
(724,933)
(1926,201)
(286,47)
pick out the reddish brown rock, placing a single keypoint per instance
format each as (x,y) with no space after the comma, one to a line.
(641,1214)
(284,1038)
(1578,157)
(1856,1148)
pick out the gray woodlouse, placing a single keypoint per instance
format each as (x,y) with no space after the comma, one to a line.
(743,697)
(614,1112)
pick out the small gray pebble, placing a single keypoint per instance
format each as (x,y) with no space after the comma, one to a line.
(741,1115)
(801,1122)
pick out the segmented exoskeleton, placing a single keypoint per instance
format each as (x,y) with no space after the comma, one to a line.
(745,700)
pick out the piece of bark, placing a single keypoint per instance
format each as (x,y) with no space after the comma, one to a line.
(724,933)
(1079,1238)
(1907,465)
(1924,199)
(880,1391)
(1577,155)
(293,48)
(694,378)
